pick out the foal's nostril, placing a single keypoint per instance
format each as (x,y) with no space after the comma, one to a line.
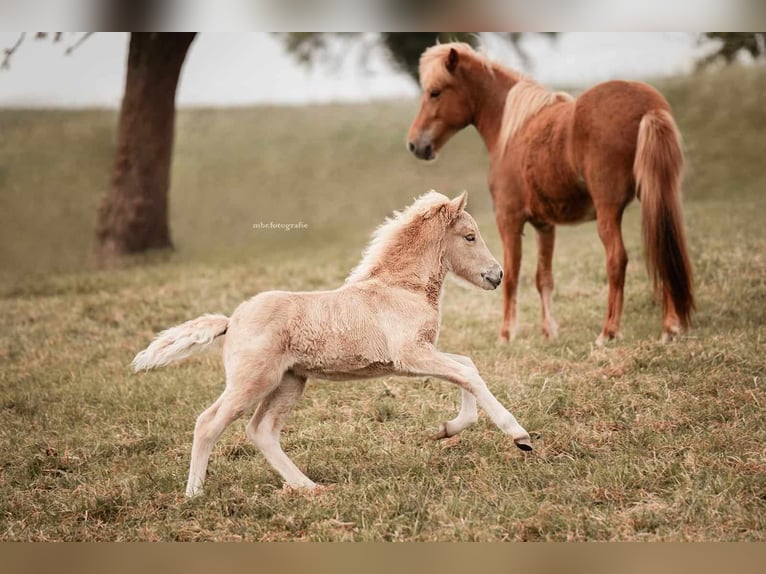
(428,152)
(501,275)
(412,147)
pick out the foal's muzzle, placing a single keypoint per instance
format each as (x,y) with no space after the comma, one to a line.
(493,277)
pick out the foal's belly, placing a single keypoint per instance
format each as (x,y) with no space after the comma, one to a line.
(346,373)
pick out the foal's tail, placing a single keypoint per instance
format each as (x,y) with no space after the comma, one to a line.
(657,169)
(181,341)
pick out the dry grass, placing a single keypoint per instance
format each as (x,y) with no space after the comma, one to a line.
(635,442)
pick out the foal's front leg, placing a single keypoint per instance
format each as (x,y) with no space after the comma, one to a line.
(468,414)
(430,362)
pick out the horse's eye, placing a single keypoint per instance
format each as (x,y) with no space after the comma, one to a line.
(435,94)
(470,237)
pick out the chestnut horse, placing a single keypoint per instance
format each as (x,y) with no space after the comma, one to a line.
(558,160)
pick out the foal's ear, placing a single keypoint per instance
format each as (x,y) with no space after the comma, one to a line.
(458,204)
(452,59)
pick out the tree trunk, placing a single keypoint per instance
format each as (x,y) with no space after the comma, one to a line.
(134,215)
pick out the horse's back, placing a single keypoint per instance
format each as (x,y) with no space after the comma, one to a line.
(605,126)
(606,120)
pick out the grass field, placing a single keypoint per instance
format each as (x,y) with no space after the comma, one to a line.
(637,441)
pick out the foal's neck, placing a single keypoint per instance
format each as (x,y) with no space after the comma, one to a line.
(418,270)
(489,94)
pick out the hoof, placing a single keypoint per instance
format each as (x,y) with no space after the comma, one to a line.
(550,330)
(670,335)
(524,444)
(442,434)
(605,338)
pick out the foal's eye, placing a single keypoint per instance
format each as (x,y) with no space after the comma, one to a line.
(470,237)
(435,94)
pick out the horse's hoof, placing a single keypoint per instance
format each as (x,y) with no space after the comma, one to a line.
(669,336)
(605,338)
(524,444)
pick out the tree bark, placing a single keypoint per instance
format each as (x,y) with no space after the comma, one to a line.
(134,214)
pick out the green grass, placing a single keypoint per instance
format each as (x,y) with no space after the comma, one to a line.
(638,441)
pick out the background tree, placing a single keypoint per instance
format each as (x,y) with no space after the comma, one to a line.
(731,44)
(402,48)
(134,214)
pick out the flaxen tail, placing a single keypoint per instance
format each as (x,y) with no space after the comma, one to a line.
(658,169)
(181,341)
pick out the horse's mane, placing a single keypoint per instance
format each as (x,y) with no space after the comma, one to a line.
(525,99)
(386,235)
(432,68)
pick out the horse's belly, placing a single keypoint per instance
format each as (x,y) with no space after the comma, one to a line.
(567,207)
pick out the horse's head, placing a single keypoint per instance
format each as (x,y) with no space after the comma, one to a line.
(465,252)
(445,106)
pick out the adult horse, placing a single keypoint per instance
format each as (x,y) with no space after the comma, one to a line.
(558,160)
(383,321)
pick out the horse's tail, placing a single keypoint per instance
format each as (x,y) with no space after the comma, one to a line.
(181,341)
(658,169)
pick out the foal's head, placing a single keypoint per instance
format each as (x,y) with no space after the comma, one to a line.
(465,252)
(446,106)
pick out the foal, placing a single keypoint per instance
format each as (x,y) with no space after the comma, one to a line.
(555,160)
(383,321)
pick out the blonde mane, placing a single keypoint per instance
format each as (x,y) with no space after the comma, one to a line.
(433,69)
(524,100)
(386,235)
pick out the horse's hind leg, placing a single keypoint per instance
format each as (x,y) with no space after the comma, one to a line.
(546,237)
(266,425)
(468,414)
(609,229)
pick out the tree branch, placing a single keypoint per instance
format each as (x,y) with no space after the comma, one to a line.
(8,52)
(80,41)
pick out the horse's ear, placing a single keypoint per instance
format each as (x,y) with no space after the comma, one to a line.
(452,59)
(458,204)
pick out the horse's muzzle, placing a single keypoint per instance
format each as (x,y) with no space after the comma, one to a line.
(421,151)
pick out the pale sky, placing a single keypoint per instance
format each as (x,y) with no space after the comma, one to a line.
(252,68)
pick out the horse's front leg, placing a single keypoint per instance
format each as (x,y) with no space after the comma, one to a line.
(430,362)
(510,226)
(546,238)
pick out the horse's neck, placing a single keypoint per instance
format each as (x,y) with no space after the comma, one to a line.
(490,93)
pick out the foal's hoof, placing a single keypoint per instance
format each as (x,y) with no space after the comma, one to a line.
(442,434)
(524,444)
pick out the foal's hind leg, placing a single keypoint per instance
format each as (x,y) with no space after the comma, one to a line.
(247,383)
(266,425)
(468,414)
(209,428)
(609,229)
(546,237)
